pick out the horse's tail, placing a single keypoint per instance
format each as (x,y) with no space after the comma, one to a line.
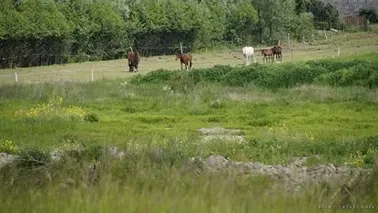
(137,58)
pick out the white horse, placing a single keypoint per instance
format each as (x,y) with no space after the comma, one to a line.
(248,52)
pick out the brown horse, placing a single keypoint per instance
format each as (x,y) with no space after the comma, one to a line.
(133,58)
(277,52)
(185,59)
(268,54)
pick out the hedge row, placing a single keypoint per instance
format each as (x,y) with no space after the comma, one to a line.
(328,72)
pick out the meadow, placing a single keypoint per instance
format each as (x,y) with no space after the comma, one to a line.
(325,108)
(351,44)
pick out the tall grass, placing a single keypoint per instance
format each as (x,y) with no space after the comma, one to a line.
(143,183)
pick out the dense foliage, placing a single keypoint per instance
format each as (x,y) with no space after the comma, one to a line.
(370,14)
(325,16)
(328,72)
(40,32)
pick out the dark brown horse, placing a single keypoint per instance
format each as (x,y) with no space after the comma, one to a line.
(185,59)
(277,53)
(133,58)
(268,55)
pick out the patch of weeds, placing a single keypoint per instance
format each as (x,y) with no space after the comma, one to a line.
(197,110)
(217,104)
(31,158)
(181,83)
(155,120)
(8,146)
(215,119)
(91,117)
(69,138)
(314,160)
(93,152)
(130,109)
(260,122)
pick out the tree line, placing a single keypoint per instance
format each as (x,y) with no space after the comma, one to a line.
(42,32)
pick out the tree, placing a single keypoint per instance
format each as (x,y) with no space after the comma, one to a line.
(369,14)
(242,22)
(326,16)
(275,18)
(301,6)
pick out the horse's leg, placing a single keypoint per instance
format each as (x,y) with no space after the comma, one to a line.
(130,68)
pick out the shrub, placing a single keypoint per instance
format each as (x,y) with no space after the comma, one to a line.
(91,117)
(181,82)
(273,76)
(157,76)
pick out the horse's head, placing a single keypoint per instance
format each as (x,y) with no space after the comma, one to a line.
(276,49)
(178,56)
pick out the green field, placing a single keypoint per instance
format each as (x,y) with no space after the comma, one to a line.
(350,44)
(327,108)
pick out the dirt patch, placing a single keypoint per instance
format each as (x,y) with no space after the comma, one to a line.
(221,134)
(6,159)
(220,131)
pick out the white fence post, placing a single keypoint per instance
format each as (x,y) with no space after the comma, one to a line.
(92,76)
(16,77)
(181,48)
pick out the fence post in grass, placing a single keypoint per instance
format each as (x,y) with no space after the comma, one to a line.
(338,52)
(291,54)
(16,77)
(181,47)
(288,38)
(92,76)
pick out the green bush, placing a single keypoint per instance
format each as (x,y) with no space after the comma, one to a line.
(357,75)
(274,76)
(157,76)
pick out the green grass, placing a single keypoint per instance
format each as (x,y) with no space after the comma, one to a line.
(158,129)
